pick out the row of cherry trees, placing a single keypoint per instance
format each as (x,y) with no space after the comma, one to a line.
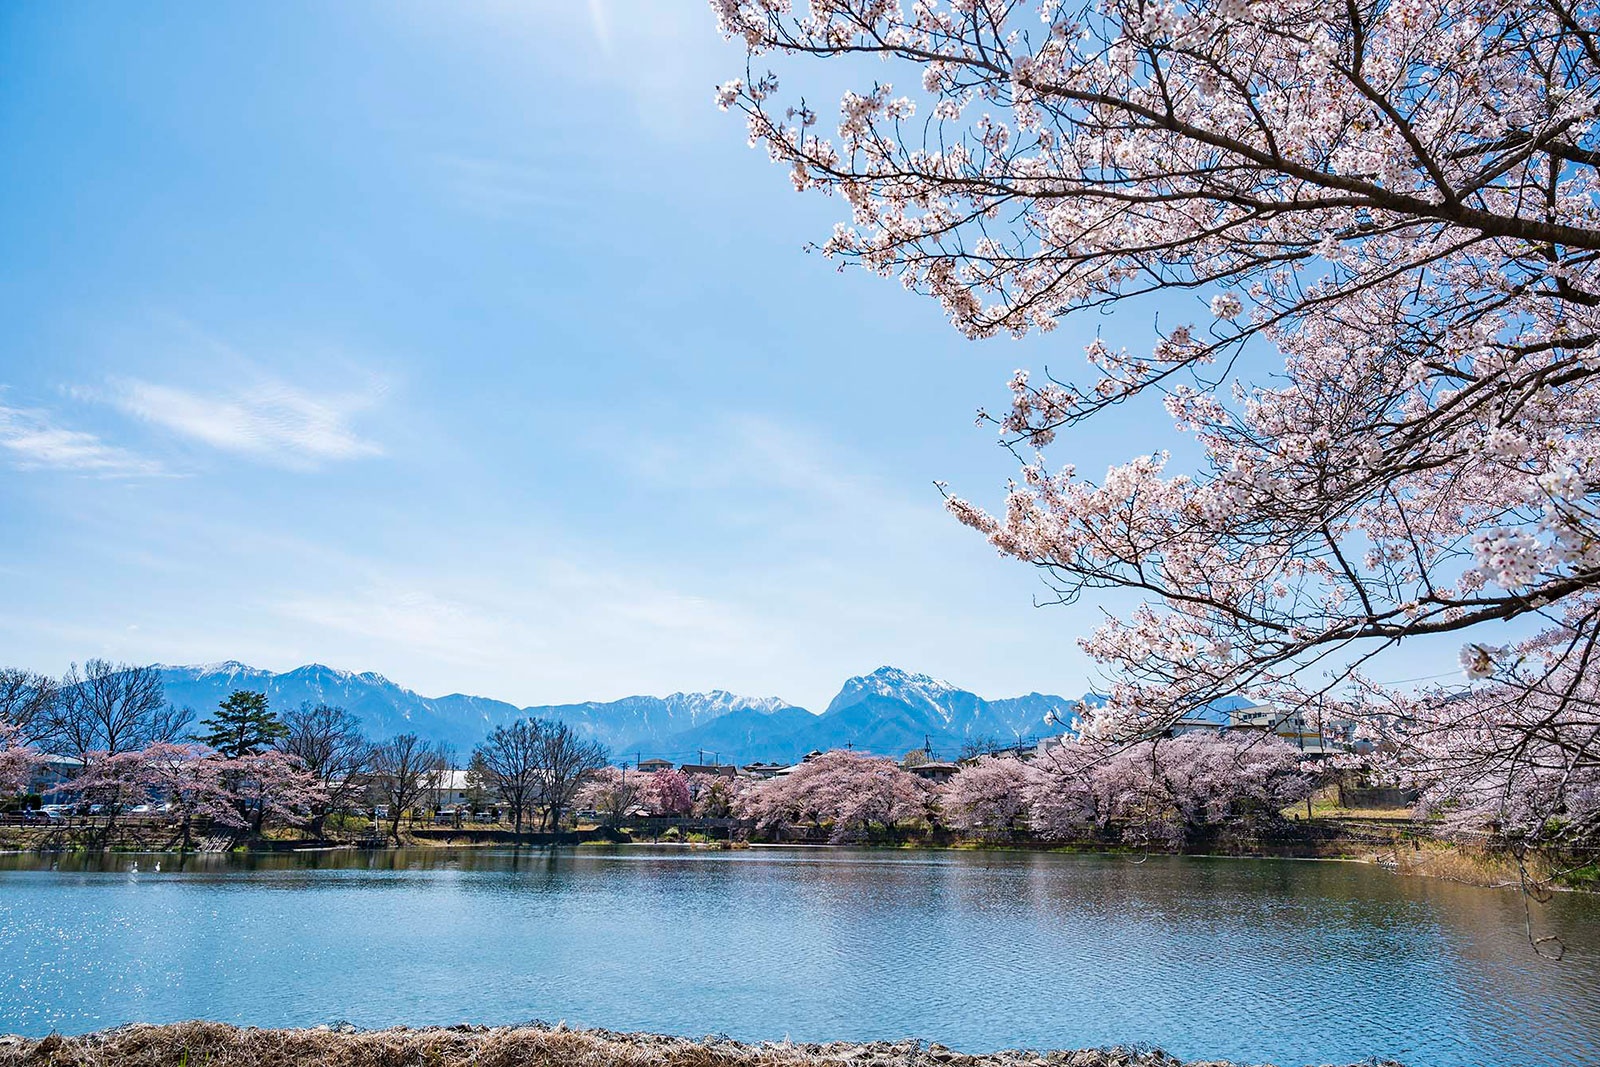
(1153,793)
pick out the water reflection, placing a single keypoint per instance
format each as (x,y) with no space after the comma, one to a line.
(1251,960)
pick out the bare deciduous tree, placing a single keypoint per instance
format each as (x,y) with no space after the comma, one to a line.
(329,741)
(563,759)
(110,708)
(402,770)
(508,759)
(27,700)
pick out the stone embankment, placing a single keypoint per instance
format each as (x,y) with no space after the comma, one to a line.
(534,1045)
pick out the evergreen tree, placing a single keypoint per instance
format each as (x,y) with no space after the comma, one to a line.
(242,725)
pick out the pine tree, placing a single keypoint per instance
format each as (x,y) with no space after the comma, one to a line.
(242,725)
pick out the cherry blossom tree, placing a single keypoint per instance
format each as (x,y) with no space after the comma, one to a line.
(714,795)
(613,792)
(194,783)
(1162,792)
(667,792)
(847,791)
(1507,759)
(113,781)
(273,787)
(1239,777)
(1061,799)
(987,797)
(18,761)
(1385,215)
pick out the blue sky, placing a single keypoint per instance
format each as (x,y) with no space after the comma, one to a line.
(471,345)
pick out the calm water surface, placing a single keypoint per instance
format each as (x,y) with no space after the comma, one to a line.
(1253,960)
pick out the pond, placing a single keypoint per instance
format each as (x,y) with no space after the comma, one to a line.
(1285,961)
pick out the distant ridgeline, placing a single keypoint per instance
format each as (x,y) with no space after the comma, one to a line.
(887,712)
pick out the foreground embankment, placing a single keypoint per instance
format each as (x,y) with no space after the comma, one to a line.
(218,1045)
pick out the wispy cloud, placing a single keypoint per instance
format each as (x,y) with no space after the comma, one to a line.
(270,420)
(504,189)
(33,441)
(602,25)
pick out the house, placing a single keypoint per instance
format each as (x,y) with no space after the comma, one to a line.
(1309,732)
(447,789)
(651,766)
(1197,721)
(51,774)
(1025,749)
(761,771)
(720,770)
(934,770)
(784,772)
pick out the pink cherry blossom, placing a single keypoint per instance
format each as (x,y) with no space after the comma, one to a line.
(17,761)
(846,791)
(273,787)
(1386,219)
(614,792)
(1161,791)
(666,792)
(987,797)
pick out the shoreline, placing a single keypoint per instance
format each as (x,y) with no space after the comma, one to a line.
(1460,864)
(531,1045)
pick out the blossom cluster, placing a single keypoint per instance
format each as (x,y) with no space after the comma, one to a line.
(1388,217)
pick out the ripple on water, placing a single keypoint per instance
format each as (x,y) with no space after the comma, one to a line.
(1250,960)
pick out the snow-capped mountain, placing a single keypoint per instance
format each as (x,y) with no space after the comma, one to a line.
(384,708)
(647,722)
(889,711)
(640,722)
(919,691)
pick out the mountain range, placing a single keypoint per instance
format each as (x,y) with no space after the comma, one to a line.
(887,712)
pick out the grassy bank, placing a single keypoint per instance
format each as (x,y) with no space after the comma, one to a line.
(201,1044)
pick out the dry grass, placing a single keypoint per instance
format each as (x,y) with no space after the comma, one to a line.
(1332,810)
(1462,863)
(201,1044)
(1498,868)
